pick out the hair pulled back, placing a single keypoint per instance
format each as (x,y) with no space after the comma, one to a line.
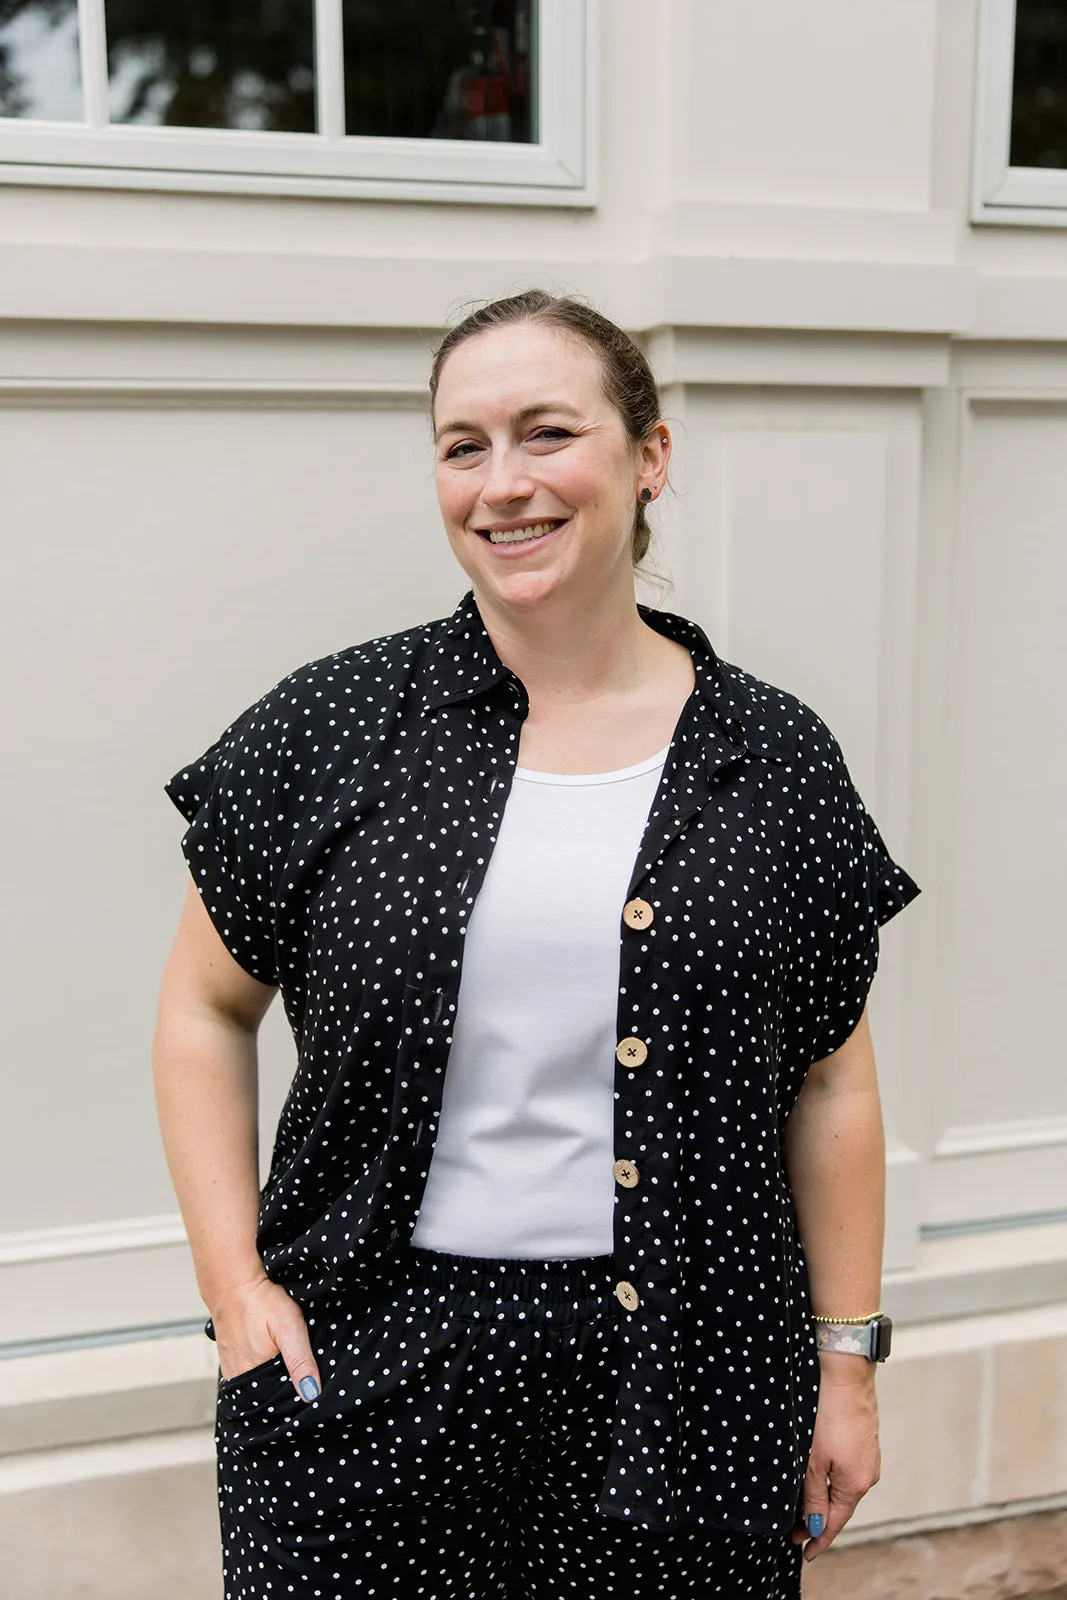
(627,377)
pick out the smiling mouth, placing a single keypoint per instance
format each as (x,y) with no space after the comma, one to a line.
(536,530)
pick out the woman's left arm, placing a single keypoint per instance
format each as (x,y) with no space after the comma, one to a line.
(834,1150)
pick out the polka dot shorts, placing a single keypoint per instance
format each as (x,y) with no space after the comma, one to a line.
(456,1452)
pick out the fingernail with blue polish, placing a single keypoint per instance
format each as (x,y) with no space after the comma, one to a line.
(816,1523)
(310,1389)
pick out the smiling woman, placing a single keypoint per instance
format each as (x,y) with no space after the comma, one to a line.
(550,445)
(623,379)
(575,924)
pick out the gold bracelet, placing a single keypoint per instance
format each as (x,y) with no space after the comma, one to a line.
(849,1322)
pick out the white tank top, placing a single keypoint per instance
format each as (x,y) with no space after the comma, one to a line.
(522,1163)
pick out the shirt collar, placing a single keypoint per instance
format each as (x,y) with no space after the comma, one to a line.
(463,663)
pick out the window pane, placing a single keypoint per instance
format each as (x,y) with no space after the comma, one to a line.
(1039,92)
(213,63)
(440,69)
(40,60)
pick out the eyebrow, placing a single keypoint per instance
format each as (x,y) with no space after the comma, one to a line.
(520,417)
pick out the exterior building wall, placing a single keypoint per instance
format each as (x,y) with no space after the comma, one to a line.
(217,465)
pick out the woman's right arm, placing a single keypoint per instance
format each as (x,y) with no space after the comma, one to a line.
(206,1075)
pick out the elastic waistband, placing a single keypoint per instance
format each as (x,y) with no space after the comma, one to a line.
(512,1291)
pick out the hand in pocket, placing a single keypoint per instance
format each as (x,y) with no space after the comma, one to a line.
(256,1321)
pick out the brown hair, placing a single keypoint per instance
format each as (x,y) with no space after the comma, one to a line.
(627,376)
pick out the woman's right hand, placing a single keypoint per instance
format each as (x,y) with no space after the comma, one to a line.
(257,1320)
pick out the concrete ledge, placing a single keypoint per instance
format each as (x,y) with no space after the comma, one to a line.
(973,1417)
(973,1274)
(84,1280)
(123,284)
(136,1521)
(112,1391)
(819,360)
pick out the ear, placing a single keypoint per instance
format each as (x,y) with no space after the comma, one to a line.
(653,456)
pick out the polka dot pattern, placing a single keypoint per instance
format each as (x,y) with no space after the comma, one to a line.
(339,833)
(457,1451)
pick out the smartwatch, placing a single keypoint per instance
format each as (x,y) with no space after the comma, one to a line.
(871,1339)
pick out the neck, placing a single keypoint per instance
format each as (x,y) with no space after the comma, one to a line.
(568,652)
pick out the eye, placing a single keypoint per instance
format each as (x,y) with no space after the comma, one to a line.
(465,447)
(551,434)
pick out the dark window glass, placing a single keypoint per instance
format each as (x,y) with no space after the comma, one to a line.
(1039,90)
(440,69)
(40,60)
(213,63)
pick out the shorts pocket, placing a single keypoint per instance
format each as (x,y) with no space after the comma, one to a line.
(266,1381)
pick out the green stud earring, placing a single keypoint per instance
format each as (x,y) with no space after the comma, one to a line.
(646,495)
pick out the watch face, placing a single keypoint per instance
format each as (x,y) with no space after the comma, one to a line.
(881,1338)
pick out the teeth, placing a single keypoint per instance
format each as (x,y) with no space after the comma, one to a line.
(520,535)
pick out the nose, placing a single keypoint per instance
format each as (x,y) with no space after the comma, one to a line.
(507,479)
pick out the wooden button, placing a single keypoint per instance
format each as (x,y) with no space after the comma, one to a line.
(631,1052)
(626,1174)
(627,1296)
(637,913)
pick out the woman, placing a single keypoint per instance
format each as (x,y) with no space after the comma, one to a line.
(549,1320)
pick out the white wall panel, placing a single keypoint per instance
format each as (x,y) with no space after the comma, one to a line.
(793,540)
(170,565)
(806,516)
(1002,1095)
(820,104)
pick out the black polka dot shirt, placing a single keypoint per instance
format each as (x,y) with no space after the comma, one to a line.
(339,832)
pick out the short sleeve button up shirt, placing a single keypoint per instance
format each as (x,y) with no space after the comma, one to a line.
(339,831)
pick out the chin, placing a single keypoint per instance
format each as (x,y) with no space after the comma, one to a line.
(523,591)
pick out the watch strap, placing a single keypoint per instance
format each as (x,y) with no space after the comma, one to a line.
(870,1339)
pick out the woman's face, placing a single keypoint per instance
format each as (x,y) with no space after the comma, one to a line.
(537,478)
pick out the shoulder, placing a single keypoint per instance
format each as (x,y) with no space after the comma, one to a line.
(776,724)
(768,721)
(324,712)
(352,688)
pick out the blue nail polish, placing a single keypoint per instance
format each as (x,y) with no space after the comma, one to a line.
(816,1523)
(309,1388)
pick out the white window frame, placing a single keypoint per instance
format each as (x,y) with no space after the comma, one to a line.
(1026,196)
(557,171)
